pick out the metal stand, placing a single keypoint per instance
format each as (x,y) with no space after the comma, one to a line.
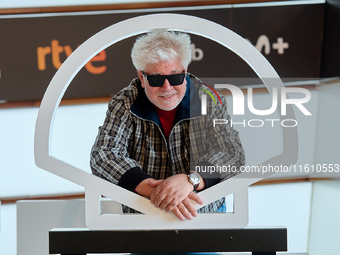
(266,241)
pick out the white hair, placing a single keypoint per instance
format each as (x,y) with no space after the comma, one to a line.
(160,45)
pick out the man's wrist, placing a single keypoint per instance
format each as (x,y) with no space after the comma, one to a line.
(144,189)
(209,179)
(132,178)
(194,178)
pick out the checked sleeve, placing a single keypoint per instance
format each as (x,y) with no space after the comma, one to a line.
(110,156)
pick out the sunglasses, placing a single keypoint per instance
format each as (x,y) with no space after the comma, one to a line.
(158,80)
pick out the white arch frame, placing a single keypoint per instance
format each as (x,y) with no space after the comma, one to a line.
(95,186)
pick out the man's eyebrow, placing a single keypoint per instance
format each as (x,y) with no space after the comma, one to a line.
(172,72)
(176,71)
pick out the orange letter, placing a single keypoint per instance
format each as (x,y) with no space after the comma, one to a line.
(56,50)
(41,53)
(101,56)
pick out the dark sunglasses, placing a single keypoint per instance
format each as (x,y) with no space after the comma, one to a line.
(158,80)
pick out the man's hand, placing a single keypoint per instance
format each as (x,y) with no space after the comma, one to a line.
(145,189)
(169,193)
(184,210)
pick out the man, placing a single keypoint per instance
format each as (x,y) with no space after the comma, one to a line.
(154,136)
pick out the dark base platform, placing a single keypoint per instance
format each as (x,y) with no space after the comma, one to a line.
(264,241)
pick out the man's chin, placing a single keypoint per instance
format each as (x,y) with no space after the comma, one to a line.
(167,107)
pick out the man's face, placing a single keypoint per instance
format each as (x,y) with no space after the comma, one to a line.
(166,97)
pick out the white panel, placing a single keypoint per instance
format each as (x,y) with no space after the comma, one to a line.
(285,205)
(328,138)
(325,223)
(40,216)
(8,230)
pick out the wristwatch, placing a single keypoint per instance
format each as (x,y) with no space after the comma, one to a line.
(194,179)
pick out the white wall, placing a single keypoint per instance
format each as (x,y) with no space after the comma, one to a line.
(19,175)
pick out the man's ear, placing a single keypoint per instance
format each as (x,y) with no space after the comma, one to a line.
(186,73)
(141,77)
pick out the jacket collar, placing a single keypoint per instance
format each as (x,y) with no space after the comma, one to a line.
(189,107)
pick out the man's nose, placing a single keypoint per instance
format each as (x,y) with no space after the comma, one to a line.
(166,85)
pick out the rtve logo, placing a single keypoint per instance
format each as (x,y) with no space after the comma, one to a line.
(56,50)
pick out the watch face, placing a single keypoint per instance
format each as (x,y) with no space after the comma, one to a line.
(194,178)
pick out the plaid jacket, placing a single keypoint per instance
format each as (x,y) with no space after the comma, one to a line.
(131,146)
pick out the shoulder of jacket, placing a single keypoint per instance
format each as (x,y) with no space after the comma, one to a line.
(195,80)
(215,100)
(125,97)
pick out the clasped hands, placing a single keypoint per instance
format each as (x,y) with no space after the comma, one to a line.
(173,194)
